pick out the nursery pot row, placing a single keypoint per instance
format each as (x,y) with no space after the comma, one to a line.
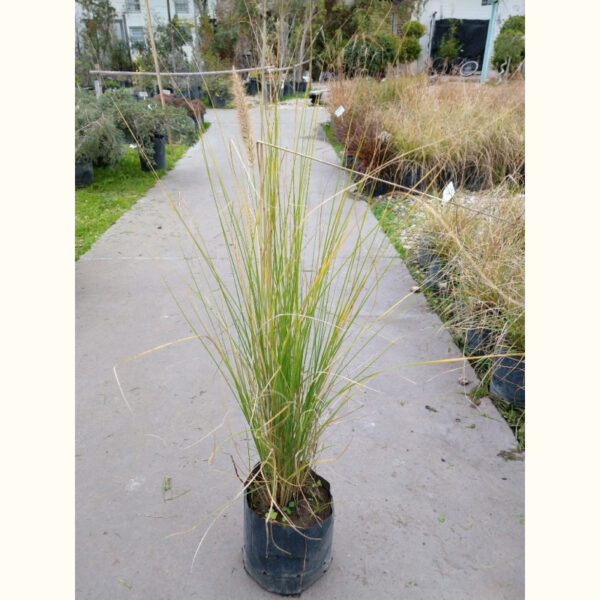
(281,558)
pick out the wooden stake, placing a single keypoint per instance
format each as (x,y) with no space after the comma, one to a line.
(157,69)
(98,83)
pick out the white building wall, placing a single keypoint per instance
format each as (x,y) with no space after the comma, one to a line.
(434,10)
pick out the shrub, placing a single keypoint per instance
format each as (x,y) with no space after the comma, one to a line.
(146,119)
(97,138)
(218,85)
(515,23)
(369,54)
(450,45)
(413,29)
(410,50)
(509,45)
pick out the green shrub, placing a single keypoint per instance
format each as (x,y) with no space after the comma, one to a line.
(97,138)
(514,23)
(410,50)
(508,45)
(218,85)
(145,119)
(371,54)
(450,46)
(413,29)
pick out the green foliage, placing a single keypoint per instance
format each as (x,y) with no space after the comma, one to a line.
(119,59)
(97,36)
(410,50)
(450,46)
(515,23)
(509,45)
(337,23)
(218,85)
(97,137)
(371,55)
(280,325)
(413,29)
(224,41)
(143,120)
(169,38)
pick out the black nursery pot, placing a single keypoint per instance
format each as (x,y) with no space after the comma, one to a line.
(437,279)
(282,559)
(508,380)
(425,252)
(479,341)
(84,173)
(219,101)
(160,157)
(252,86)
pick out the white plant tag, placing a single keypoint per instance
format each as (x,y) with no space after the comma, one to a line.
(339,111)
(448,192)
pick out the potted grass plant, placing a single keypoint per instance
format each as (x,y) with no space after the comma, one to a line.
(280,322)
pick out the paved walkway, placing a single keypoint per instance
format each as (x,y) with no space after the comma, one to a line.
(425,507)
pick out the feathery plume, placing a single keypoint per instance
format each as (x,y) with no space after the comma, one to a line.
(243,115)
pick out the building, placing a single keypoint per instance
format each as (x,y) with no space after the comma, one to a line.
(471,18)
(131,23)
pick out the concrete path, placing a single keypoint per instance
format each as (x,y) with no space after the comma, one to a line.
(425,507)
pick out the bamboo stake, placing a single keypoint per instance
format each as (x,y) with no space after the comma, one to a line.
(156,67)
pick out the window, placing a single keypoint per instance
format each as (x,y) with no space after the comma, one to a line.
(133,5)
(181,6)
(118,29)
(136,34)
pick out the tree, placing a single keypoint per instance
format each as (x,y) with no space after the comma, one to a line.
(169,38)
(98,36)
(450,45)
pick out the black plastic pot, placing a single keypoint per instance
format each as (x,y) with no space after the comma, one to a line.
(284,560)
(252,86)
(473,179)
(437,279)
(160,158)
(84,173)
(508,380)
(412,178)
(377,188)
(479,341)
(219,101)
(349,160)
(425,252)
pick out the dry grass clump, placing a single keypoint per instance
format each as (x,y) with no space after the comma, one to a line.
(464,132)
(485,253)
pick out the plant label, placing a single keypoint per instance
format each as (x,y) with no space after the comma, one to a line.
(448,192)
(339,111)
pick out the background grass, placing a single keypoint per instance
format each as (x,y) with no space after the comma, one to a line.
(113,192)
